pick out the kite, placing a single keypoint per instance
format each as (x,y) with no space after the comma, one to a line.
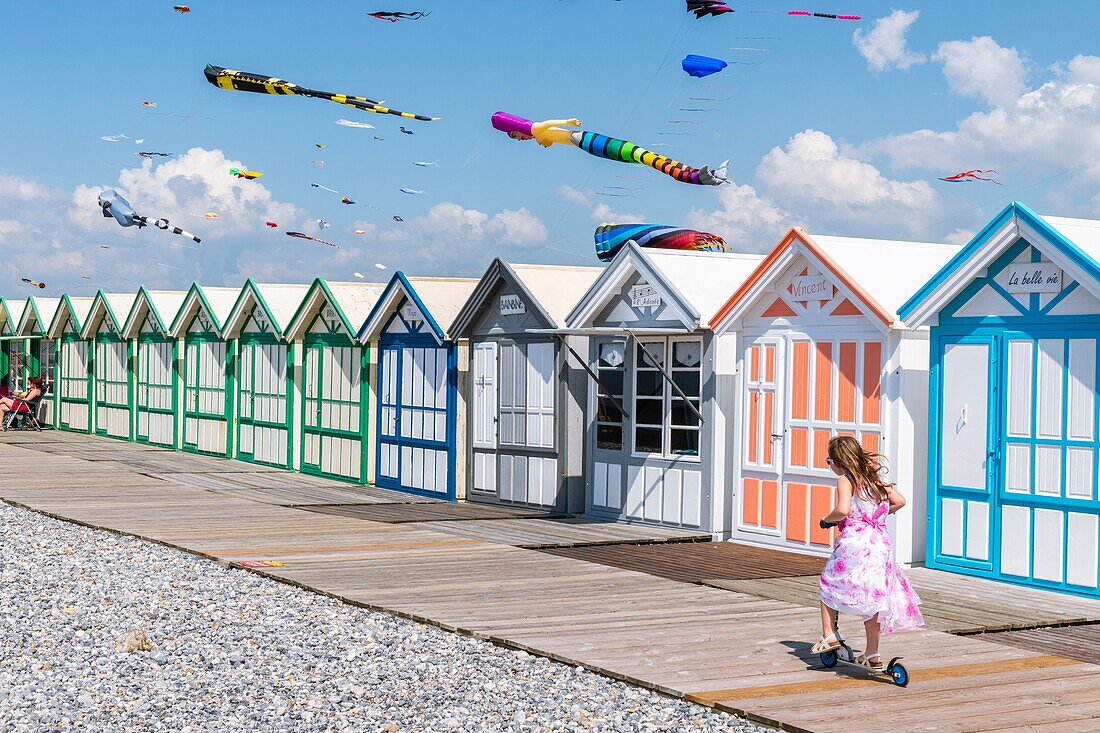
(832,16)
(311,238)
(85,277)
(708,7)
(379,138)
(360,232)
(149,154)
(322,225)
(243,81)
(700,66)
(181,8)
(318,145)
(346,200)
(610,238)
(104,246)
(398,218)
(427,164)
(325,188)
(393,15)
(114,138)
(968,176)
(318,163)
(548,132)
(115,206)
(245,173)
(359,275)
(35,283)
(352,123)
(210,215)
(170,267)
(413,192)
(148,104)
(271,224)
(379,266)
(407,132)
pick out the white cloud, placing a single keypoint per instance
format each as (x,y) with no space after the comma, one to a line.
(604,214)
(1050,131)
(19,189)
(884,46)
(573,195)
(747,221)
(811,173)
(982,68)
(520,228)
(960,236)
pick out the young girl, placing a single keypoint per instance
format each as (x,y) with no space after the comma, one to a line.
(861,576)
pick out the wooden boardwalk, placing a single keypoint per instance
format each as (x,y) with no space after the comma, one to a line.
(737,651)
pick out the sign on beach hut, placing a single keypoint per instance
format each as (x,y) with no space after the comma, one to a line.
(156,380)
(112,385)
(74,379)
(1014,429)
(207,377)
(522,396)
(656,436)
(417,438)
(822,353)
(334,369)
(265,390)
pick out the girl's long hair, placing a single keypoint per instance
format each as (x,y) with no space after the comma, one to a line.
(864,467)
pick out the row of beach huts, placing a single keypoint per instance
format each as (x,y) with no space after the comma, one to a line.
(692,390)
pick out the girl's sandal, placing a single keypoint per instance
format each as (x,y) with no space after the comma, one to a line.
(824,645)
(875,666)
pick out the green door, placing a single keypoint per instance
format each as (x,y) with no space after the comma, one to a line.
(112,386)
(206,390)
(74,384)
(156,391)
(334,408)
(263,407)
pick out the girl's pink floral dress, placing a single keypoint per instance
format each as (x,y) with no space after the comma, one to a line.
(861,577)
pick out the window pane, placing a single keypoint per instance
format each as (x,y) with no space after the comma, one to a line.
(609,437)
(612,381)
(650,384)
(612,354)
(685,442)
(688,382)
(649,412)
(686,353)
(647,440)
(682,414)
(608,412)
(655,348)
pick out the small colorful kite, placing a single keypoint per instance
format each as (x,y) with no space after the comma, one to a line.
(318,163)
(114,138)
(360,232)
(427,164)
(104,246)
(181,8)
(407,132)
(323,188)
(114,206)
(707,7)
(149,154)
(352,123)
(35,283)
(398,218)
(831,16)
(548,133)
(700,66)
(413,192)
(346,200)
(148,104)
(319,146)
(610,238)
(395,15)
(969,176)
(322,225)
(359,275)
(311,238)
(210,215)
(271,224)
(243,81)
(379,266)
(245,173)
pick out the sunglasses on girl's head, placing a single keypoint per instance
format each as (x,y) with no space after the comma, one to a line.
(829,461)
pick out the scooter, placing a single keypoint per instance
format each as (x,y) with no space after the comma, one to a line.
(895,670)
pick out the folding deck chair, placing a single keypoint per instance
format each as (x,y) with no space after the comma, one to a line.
(28,412)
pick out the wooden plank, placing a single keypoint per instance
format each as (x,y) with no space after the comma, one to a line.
(429,512)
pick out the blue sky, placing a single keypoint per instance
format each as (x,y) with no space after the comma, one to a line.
(814,133)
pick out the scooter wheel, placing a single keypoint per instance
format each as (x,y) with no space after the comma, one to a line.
(829,658)
(899,674)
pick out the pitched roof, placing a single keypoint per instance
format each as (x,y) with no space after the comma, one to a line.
(164,304)
(439,299)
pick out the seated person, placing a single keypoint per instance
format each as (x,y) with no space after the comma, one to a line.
(19,404)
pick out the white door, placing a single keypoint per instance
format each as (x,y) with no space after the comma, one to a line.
(485,417)
(761,505)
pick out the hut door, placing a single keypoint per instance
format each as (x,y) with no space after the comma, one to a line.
(333,419)
(75,408)
(205,412)
(263,397)
(155,415)
(485,417)
(760,504)
(528,468)
(112,386)
(967,447)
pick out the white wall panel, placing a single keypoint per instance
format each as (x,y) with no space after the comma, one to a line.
(1080,482)
(1049,545)
(1018,468)
(977,530)
(951,527)
(1082,389)
(1016,540)
(1019,388)
(1048,470)
(1048,388)
(964,427)
(1082,550)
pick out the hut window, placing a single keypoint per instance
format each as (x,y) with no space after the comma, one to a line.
(610,366)
(665,423)
(47,356)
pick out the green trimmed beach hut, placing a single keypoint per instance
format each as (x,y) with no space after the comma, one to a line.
(332,413)
(112,378)
(74,371)
(264,368)
(33,353)
(156,377)
(206,360)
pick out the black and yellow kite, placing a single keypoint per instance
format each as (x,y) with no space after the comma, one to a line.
(243,81)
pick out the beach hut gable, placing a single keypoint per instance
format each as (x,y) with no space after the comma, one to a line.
(400,311)
(251,314)
(144,317)
(319,314)
(195,315)
(71,312)
(501,303)
(7,327)
(101,318)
